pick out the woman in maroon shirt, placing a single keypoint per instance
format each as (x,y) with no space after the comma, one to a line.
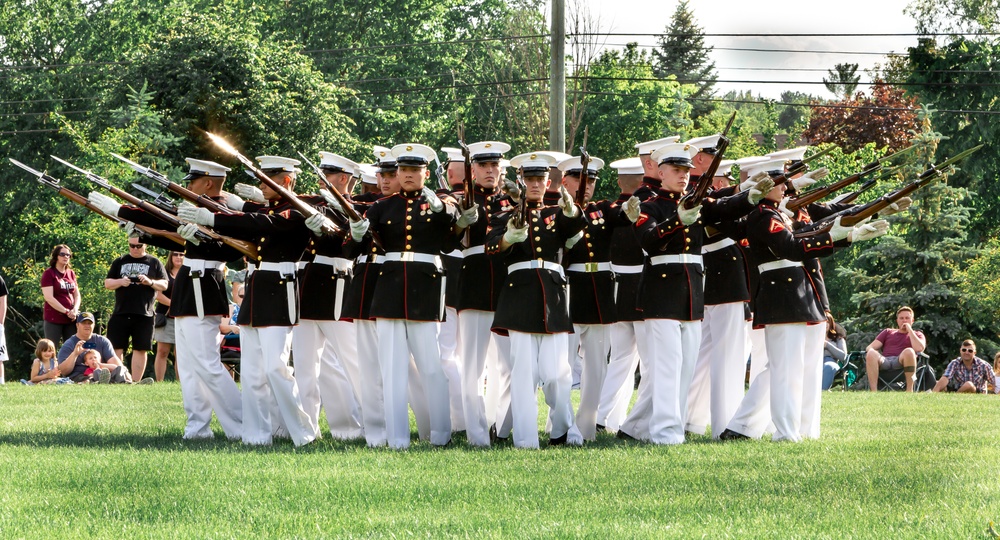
(62,297)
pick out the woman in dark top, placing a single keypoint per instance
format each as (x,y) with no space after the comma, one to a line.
(164,335)
(62,296)
(834,351)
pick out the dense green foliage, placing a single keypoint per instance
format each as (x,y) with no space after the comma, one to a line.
(84,473)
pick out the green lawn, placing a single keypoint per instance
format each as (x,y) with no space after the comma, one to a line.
(108,461)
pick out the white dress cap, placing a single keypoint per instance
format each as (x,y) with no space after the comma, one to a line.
(573,166)
(382,153)
(646,148)
(454,154)
(277,163)
(533,162)
(724,167)
(368,173)
(413,154)
(632,165)
(706,144)
(557,156)
(771,166)
(487,151)
(331,162)
(200,167)
(791,154)
(675,154)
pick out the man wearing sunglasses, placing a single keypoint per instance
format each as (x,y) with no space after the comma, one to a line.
(135,277)
(966,374)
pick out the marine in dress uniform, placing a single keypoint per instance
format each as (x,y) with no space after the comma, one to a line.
(672,292)
(480,280)
(627,338)
(198,304)
(788,306)
(533,305)
(587,260)
(451,257)
(408,302)
(324,343)
(270,308)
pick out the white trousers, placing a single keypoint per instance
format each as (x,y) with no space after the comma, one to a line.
(795,352)
(474,339)
(206,385)
(717,384)
(372,400)
(448,342)
(758,352)
(540,359)
(628,348)
(320,349)
(673,350)
(267,379)
(398,339)
(417,399)
(594,341)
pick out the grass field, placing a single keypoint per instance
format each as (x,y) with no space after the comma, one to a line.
(109,462)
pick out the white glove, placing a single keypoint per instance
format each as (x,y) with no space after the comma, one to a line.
(317,222)
(469,216)
(809,178)
(331,200)
(631,208)
(104,203)
(898,206)
(250,193)
(751,182)
(869,231)
(511,188)
(784,209)
(358,229)
(839,198)
(515,235)
(234,202)
(194,214)
(688,215)
(840,232)
(131,231)
(572,240)
(760,189)
(433,200)
(187,232)
(569,208)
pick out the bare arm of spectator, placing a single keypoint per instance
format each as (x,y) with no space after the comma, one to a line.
(941,384)
(156,284)
(875,345)
(162,298)
(67,365)
(228,325)
(917,341)
(116,283)
(50,299)
(3,310)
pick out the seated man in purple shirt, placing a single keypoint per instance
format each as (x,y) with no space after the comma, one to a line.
(970,373)
(896,348)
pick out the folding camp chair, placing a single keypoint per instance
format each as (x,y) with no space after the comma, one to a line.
(894,379)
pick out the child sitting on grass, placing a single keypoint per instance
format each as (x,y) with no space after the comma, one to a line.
(44,369)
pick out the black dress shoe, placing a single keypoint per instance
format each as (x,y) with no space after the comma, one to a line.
(493,434)
(625,436)
(601,429)
(730,435)
(558,441)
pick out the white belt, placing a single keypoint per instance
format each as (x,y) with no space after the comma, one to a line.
(778,265)
(626,269)
(535,265)
(251,267)
(197,271)
(287,270)
(455,254)
(590,267)
(375,259)
(412,256)
(301,265)
(474,250)
(716,246)
(684,258)
(339,264)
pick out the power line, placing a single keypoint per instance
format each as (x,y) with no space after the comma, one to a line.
(438,102)
(450,87)
(688,35)
(47,100)
(750,81)
(43,113)
(17,132)
(425,43)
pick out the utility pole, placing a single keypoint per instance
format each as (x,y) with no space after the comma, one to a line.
(557,78)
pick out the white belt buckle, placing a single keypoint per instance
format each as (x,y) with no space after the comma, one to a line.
(406,256)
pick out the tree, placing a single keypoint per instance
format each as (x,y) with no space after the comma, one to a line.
(793,118)
(682,53)
(955,16)
(843,80)
(885,118)
(915,264)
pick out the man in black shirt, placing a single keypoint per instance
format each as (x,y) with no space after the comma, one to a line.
(135,277)
(3,320)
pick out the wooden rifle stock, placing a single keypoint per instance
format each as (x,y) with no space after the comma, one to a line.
(201,200)
(581,191)
(705,181)
(818,194)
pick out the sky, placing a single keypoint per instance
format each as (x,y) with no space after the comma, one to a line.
(771,17)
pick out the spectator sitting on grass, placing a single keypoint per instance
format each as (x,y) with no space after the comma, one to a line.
(896,348)
(994,387)
(834,350)
(45,368)
(71,358)
(966,374)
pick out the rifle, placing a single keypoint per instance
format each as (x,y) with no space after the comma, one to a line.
(203,234)
(817,194)
(581,191)
(158,178)
(854,215)
(303,207)
(348,207)
(849,198)
(467,185)
(520,216)
(160,200)
(706,178)
(54,183)
(801,166)
(440,174)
